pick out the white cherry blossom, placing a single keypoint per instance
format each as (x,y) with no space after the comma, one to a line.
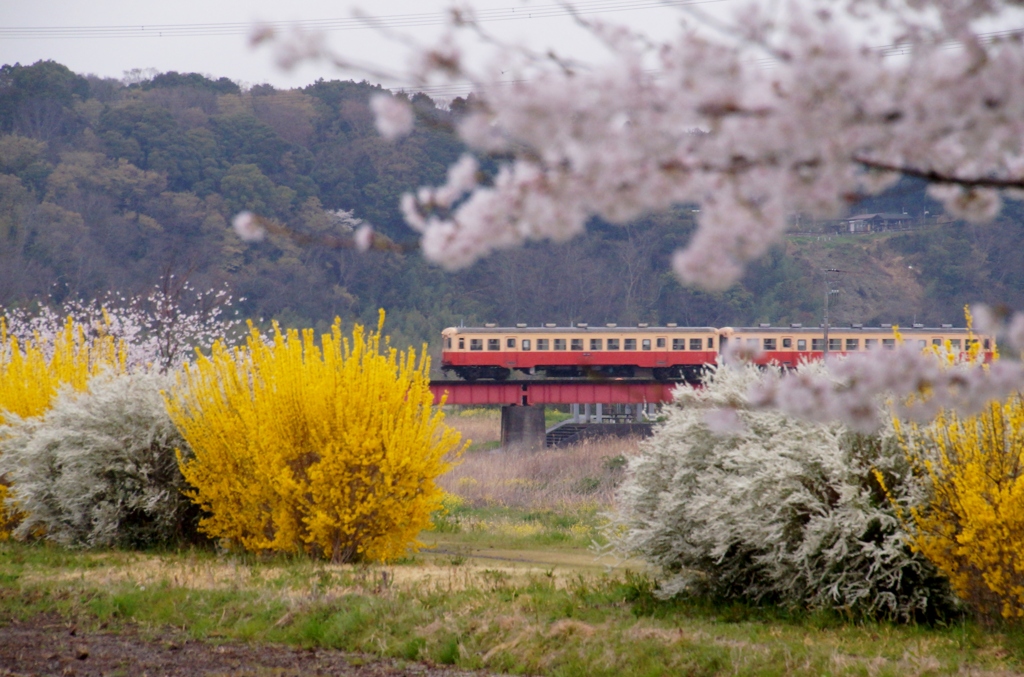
(778,113)
(394,117)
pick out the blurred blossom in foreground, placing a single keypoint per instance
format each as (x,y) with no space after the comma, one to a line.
(830,120)
(363,238)
(247,227)
(851,389)
(394,117)
(779,114)
(998,322)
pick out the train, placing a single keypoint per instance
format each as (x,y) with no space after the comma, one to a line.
(664,353)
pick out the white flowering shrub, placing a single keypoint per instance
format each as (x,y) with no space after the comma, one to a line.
(99,468)
(774,509)
(161,330)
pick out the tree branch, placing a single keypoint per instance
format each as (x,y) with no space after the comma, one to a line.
(934,176)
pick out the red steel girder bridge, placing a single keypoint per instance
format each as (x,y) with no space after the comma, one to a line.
(555,391)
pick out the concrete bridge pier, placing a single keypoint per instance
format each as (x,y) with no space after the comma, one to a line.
(523,426)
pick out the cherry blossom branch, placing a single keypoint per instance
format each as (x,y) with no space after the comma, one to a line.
(254,228)
(831,118)
(934,176)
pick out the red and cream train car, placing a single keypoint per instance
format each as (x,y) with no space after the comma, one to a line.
(788,346)
(664,353)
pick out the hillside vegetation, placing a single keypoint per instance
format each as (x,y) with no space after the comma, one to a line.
(116,186)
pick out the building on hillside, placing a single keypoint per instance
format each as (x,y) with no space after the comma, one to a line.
(874,223)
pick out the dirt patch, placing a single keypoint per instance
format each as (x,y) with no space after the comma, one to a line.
(48,645)
(879,285)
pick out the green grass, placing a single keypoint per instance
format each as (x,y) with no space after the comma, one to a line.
(514,612)
(553,416)
(517,528)
(489,445)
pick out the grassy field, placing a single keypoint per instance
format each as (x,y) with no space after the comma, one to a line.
(509,582)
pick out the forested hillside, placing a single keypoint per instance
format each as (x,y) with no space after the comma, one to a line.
(107,186)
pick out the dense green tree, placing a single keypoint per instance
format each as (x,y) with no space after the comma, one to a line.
(38,100)
(172,79)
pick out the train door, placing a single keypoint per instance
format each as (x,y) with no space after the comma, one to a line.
(661,356)
(510,351)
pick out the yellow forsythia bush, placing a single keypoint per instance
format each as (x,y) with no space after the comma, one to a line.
(972,525)
(32,371)
(329,448)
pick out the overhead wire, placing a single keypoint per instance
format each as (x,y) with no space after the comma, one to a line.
(334,24)
(410,20)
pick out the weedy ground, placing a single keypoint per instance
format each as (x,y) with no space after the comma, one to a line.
(509,581)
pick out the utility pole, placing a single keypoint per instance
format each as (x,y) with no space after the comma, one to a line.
(829,291)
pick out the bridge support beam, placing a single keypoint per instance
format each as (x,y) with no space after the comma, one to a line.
(523,427)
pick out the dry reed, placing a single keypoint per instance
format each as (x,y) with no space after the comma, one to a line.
(581,476)
(478,426)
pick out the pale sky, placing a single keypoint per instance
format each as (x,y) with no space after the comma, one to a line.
(110,37)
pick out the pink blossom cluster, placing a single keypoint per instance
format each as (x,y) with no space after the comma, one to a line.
(775,114)
(161,330)
(753,125)
(1006,327)
(917,384)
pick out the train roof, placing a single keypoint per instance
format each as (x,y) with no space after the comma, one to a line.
(848,329)
(744,330)
(577,330)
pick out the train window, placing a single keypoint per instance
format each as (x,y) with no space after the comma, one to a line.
(695,344)
(835,344)
(476,344)
(818,344)
(921,343)
(559,344)
(987,344)
(595,344)
(711,344)
(526,344)
(870,343)
(769,344)
(968,343)
(613,344)
(462,344)
(661,343)
(576,344)
(752,343)
(493,344)
(853,344)
(448,343)
(678,344)
(787,343)
(801,344)
(889,344)
(936,342)
(646,344)
(629,344)
(954,343)
(542,344)
(510,343)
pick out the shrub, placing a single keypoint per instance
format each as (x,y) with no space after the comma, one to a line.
(778,510)
(98,469)
(33,369)
(161,330)
(332,450)
(972,526)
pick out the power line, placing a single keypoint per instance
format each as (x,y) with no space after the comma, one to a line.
(392,21)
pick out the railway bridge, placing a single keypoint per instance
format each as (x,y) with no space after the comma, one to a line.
(522,402)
